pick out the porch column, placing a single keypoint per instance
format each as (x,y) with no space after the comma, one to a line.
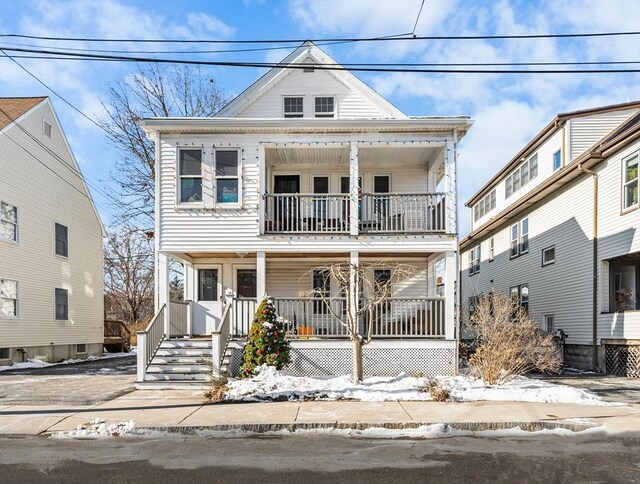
(262,188)
(261,275)
(354,190)
(353,283)
(163,287)
(450,316)
(189,293)
(450,186)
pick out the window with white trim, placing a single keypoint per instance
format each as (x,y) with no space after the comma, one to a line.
(520,296)
(190,176)
(293,106)
(227,180)
(548,255)
(324,107)
(62,304)
(548,323)
(8,222)
(630,182)
(485,205)
(322,290)
(62,240)
(492,247)
(557,160)
(46,129)
(519,238)
(9,299)
(522,175)
(474,260)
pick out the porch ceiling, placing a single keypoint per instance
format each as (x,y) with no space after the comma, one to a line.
(404,155)
(325,155)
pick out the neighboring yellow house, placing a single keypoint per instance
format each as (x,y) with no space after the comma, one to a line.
(51,262)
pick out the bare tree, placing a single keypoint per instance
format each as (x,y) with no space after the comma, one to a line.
(365,296)
(128,269)
(508,342)
(152,91)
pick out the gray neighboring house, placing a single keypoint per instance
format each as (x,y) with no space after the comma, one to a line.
(51,272)
(558,228)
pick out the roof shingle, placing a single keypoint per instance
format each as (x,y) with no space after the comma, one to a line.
(11,108)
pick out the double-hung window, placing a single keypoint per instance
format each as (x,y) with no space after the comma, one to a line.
(8,222)
(325,107)
(190,173)
(8,299)
(522,175)
(227,180)
(62,240)
(322,290)
(520,238)
(557,160)
(630,182)
(62,304)
(293,107)
(474,260)
(520,296)
(492,248)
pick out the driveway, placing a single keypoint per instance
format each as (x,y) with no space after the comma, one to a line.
(610,388)
(83,383)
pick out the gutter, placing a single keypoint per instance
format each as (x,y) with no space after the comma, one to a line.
(594,266)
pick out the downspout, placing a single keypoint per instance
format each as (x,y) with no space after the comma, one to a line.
(595,264)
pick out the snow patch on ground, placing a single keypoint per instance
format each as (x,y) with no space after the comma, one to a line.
(271,384)
(34,363)
(99,429)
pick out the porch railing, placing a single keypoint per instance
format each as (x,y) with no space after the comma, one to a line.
(149,341)
(243,312)
(402,213)
(179,318)
(397,318)
(306,214)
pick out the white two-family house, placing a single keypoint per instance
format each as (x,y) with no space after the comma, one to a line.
(51,273)
(305,167)
(558,228)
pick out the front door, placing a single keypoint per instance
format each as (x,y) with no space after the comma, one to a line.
(286,209)
(208,305)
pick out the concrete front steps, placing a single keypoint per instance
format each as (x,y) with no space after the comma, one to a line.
(180,364)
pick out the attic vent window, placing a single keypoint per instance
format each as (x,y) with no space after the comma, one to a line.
(308,69)
(46,129)
(325,107)
(293,107)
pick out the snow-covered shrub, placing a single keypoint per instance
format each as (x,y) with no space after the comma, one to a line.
(508,342)
(267,341)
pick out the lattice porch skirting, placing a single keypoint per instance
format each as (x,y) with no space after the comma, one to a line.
(623,359)
(381,358)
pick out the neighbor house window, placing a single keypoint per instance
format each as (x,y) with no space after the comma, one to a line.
(190,171)
(548,323)
(474,260)
(293,107)
(8,298)
(46,129)
(62,246)
(62,304)
(557,160)
(492,249)
(520,296)
(8,222)
(325,107)
(520,238)
(227,180)
(485,205)
(519,177)
(548,255)
(630,182)
(321,289)
(624,280)
(81,348)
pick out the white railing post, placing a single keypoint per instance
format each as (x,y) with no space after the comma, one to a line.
(189,318)
(163,288)
(449,295)
(142,355)
(216,350)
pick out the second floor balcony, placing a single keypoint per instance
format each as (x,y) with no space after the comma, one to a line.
(377,213)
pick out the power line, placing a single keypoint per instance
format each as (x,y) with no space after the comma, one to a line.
(417,64)
(401,37)
(413,32)
(331,67)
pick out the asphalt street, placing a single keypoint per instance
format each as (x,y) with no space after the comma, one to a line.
(321,458)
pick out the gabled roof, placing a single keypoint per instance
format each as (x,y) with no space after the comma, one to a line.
(11,108)
(555,124)
(275,74)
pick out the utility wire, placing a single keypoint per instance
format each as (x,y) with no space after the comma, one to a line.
(418,64)
(332,67)
(401,37)
(413,32)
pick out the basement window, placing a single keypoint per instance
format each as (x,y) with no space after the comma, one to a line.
(81,348)
(5,354)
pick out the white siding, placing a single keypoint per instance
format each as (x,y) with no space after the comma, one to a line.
(585,131)
(349,103)
(42,199)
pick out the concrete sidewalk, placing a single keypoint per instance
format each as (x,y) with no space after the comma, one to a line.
(188,410)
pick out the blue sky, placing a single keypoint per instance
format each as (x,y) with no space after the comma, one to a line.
(508,109)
